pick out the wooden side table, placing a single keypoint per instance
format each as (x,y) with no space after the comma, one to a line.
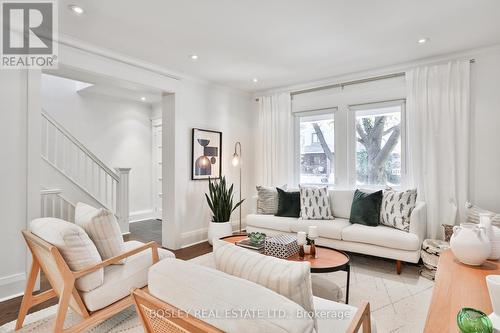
(458,286)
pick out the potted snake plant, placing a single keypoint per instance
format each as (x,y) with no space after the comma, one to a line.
(220,201)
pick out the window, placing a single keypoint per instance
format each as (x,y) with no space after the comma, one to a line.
(352,146)
(378,149)
(316,147)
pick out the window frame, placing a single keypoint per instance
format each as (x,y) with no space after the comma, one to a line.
(352,140)
(311,113)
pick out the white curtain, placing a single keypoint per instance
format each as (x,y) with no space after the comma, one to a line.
(438,104)
(275,141)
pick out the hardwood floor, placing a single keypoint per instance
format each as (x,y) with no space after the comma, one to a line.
(145,231)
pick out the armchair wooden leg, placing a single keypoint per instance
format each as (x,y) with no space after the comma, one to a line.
(398,266)
(28,294)
(62,309)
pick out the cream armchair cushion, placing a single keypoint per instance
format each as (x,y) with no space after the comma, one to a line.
(75,246)
(120,279)
(102,227)
(287,278)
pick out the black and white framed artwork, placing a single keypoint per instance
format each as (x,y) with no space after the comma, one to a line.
(206,154)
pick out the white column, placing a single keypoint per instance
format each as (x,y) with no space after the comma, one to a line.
(122,199)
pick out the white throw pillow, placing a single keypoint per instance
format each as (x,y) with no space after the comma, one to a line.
(473,212)
(397,208)
(75,246)
(102,227)
(288,278)
(314,203)
(267,199)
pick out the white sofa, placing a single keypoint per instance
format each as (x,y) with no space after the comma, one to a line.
(340,234)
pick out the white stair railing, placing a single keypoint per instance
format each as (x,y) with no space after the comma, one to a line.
(53,204)
(77,163)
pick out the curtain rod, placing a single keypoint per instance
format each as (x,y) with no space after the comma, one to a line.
(353,82)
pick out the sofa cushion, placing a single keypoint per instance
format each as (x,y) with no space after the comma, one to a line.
(288,278)
(119,280)
(102,227)
(381,236)
(341,201)
(365,208)
(314,203)
(397,207)
(288,203)
(75,246)
(267,199)
(270,222)
(327,229)
(195,288)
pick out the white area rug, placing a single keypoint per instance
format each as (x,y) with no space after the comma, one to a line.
(399,303)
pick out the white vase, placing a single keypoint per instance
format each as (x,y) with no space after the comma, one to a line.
(470,244)
(495,243)
(493,282)
(218,230)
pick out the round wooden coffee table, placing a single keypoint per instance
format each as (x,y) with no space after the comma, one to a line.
(327,260)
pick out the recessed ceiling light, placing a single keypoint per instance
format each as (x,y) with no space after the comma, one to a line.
(423,40)
(193,57)
(76,9)
(143,98)
(255,80)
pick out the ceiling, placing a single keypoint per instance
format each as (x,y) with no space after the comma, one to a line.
(281,42)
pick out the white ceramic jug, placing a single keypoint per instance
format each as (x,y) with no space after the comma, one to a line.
(470,244)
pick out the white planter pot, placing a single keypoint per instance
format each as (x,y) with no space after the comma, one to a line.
(218,230)
(470,244)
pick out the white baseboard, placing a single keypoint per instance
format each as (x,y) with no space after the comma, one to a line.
(12,286)
(197,236)
(141,215)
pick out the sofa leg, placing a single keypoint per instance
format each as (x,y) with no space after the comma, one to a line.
(398,266)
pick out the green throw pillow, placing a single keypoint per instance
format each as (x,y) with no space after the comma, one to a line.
(288,203)
(365,208)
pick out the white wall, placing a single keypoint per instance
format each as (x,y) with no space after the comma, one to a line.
(208,106)
(117,131)
(13,173)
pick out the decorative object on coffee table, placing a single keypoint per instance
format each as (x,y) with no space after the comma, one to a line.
(206,154)
(257,238)
(220,201)
(312,235)
(301,241)
(470,244)
(493,282)
(328,260)
(281,246)
(473,321)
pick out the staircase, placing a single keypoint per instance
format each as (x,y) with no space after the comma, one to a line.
(72,169)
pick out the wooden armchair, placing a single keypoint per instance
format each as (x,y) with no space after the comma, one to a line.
(158,316)
(47,258)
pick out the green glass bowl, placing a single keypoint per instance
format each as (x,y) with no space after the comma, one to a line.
(473,321)
(257,238)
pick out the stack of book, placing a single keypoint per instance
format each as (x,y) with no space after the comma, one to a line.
(248,244)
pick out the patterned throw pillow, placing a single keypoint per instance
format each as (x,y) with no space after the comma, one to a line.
(314,203)
(267,199)
(473,212)
(397,207)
